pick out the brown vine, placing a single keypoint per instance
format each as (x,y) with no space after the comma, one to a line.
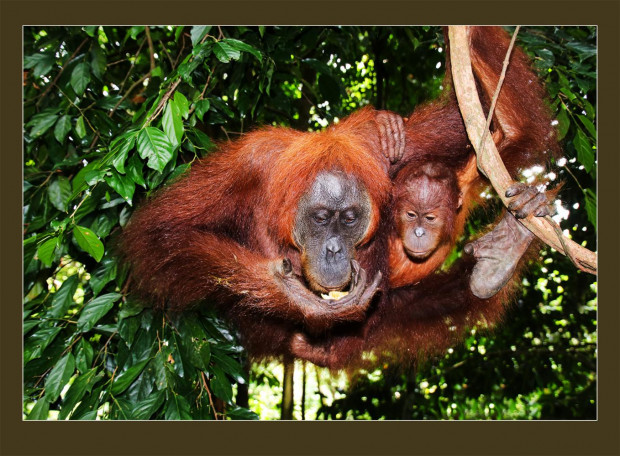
(489,161)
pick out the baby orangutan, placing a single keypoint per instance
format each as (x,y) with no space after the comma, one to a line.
(428,217)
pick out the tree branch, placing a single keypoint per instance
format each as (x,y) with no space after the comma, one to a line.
(489,161)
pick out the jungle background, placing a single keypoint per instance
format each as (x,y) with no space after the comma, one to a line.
(111,114)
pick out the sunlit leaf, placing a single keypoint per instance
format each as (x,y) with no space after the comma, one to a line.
(63,126)
(145,409)
(225,52)
(241,46)
(59,376)
(202,107)
(198,32)
(154,145)
(37,342)
(41,63)
(59,192)
(123,185)
(585,153)
(80,77)
(42,122)
(88,241)
(82,385)
(178,408)
(172,123)
(41,409)
(98,61)
(122,382)
(95,310)
(63,298)
(80,128)
(182,104)
(591,206)
(45,252)
(120,147)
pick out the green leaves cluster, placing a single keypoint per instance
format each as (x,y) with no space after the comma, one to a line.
(567,60)
(98,136)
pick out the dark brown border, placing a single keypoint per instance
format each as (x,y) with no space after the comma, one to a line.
(476,438)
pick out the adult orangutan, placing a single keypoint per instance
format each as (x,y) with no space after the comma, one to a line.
(266,225)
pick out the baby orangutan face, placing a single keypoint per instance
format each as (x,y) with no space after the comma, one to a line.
(426,208)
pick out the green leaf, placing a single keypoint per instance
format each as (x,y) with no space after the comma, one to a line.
(103,274)
(122,382)
(202,107)
(229,365)
(172,123)
(88,241)
(63,126)
(201,140)
(80,77)
(130,309)
(545,59)
(94,175)
(95,310)
(78,183)
(90,30)
(41,410)
(178,408)
(28,325)
(584,50)
(154,145)
(220,385)
(198,32)
(240,413)
(42,122)
(200,354)
(81,385)
(103,223)
(37,342)
(225,52)
(59,376)
(145,409)
(84,355)
(241,46)
(45,252)
(134,170)
(135,31)
(41,63)
(98,61)
(127,329)
(59,193)
(120,148)
(123,185)
(563,124)
(80,129)
(63,298)
(178,171)
(588,124)
(181,103)
(585,154)
(591,206)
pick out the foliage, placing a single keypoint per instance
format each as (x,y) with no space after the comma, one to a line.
(114,113)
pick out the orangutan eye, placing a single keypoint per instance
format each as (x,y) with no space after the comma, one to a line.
(349,218)
(321,217)
(412,215)
(430,217)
